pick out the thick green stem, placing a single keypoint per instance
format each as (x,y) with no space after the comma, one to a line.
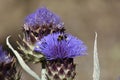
(43,72)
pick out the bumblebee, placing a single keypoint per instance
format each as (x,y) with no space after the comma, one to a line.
(61,37)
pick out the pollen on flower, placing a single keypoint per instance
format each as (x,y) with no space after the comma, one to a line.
(60,46)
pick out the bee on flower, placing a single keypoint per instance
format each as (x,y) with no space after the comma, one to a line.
(59,50)
(37,25)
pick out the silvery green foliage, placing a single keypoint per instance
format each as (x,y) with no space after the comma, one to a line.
(21,61)
(96,67)
(27,51)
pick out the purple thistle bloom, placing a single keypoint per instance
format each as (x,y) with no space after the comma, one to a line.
(30,20)
(43,16)
(60,46)
(41,23)
(7,66)
(4,58)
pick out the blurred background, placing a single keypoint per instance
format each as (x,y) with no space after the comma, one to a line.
(82,18)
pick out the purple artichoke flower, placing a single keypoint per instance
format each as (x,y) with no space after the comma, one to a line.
(43,16)
(4,57)
(30,20)
(59,50)
(7,66)
(41,23)
(60,46)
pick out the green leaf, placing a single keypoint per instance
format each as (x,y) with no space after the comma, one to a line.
(21,61)
(96,67)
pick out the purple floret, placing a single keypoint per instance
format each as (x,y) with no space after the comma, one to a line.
(4,58)
(30,20)
(60,46)
(43,16)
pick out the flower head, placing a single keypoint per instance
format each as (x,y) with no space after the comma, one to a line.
(41,23)
(43,16)
(30,20)
(7,66)
(60,46)
(4,58)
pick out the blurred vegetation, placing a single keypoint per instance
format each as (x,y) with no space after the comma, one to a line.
(82,18)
